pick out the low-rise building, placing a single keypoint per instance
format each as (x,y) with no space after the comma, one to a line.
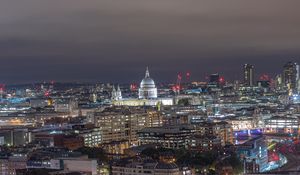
(147,167)
(174,137)
(254,154)
(280,124)
(122,123)
(223,130)
(92,135)
(9,165)
(204,143)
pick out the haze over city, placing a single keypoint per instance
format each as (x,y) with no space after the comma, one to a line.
(113,41)
(149,87)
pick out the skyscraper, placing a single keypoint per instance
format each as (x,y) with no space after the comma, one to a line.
(291,75)
(248,75)
(214,78)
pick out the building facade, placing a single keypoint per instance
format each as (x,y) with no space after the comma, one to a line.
(174,137)
(119,123)
(222,130)
(248,75)
(147,88)
(291,75)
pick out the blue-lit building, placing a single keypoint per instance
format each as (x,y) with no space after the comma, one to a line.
(254,154)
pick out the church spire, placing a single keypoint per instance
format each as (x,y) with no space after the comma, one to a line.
(113,93)
(147,75)
(113,89)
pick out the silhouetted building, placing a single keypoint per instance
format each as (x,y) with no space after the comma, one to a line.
(214,79)
(291,75)
(248,75)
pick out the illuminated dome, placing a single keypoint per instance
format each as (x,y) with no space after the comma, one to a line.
(147,82)
(147,87)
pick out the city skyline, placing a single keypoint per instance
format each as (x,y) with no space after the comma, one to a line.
(149,87)
(183,74)
(98,41)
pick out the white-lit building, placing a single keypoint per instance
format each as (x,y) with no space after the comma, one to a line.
(280,124)
(122,123)
(147,88)
(243,123)
(65,105)
(147,95)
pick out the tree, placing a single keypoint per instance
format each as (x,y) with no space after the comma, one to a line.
(235,162)
(183,102)
(151,152)
(94,153)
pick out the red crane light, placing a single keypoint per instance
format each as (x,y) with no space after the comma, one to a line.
(264,77)
(179,76)
(188,75)
(221,79)
(2,87)
(133,87)
(47,93)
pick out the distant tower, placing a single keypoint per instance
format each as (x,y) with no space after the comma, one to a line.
(116,94)
(113,93)
(248,75)
(119,93)
(291,75)
(214,79)
(278,82)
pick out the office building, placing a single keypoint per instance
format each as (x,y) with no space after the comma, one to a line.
(222,130)
(120,123)
(214,79)
(281,125)
(248,75)
(291,75)
(254,155)
(174,137)
(165,166)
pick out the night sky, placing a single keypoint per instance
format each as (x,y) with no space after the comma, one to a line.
(114,40)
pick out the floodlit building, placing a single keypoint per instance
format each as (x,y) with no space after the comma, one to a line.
(121,123)
(147,95)
(147,88)
(243,123)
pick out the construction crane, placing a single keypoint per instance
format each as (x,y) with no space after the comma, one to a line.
(177,87)
(188,76)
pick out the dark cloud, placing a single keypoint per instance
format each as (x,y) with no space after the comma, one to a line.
(113,41)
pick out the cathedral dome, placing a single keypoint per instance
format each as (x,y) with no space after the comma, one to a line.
(147,82)
(147,87)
